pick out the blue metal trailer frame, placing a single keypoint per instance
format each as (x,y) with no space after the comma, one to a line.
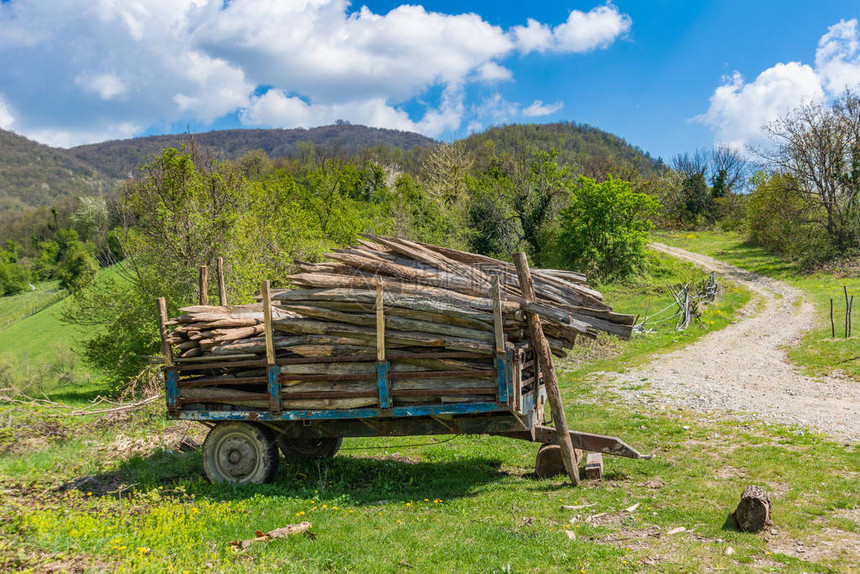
(515,413)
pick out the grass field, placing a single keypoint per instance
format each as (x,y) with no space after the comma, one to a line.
(819,352)
(117,493)
(13,308)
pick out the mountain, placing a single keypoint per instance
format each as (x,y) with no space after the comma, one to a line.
(591,151)
(122,157)
(33,174)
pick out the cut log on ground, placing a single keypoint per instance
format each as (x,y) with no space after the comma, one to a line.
(753,512)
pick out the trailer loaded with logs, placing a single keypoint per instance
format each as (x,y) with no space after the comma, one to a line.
(388,337)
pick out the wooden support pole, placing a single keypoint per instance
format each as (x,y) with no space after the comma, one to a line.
(544,357)
(267,322)
(222,287)
(497,315)
(845,289)
(204,282)
(166,351)
(380,324)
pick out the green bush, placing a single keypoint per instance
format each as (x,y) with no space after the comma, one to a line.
(604,231)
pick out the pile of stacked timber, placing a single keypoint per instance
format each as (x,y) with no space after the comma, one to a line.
(205,329)
(437,315)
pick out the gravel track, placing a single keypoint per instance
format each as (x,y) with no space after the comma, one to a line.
(743,368)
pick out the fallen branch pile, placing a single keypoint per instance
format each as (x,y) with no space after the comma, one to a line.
(436,309)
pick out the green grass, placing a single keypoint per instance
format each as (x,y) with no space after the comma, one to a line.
(819,352)
(13,308)
(428,504)
(469,504)
(38,350)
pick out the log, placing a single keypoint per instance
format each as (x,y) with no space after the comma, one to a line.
(544,358)
(391,322)
(754,511)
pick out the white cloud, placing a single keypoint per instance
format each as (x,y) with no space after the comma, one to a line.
(107,86)
(134,64)
(739,111)
(491,72)
(582,32)
(69,138)
(7,120)
(538,108)
(838,57)
(533,37)
(278,110)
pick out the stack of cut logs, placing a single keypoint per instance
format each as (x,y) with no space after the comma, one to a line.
(437,308)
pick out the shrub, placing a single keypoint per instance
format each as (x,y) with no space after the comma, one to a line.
(604,231)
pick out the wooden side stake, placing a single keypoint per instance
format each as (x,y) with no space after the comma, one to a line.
(204,282)
(222,287)
(850,311)
(380,324)
(267,321)
(544,357)
(162,330)
(497,315)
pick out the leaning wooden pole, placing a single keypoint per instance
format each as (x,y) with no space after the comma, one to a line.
(544,357)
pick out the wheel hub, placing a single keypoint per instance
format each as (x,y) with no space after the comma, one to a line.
(237,457)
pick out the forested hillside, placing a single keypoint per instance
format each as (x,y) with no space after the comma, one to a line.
(34,175)
(588,150)
(121,158)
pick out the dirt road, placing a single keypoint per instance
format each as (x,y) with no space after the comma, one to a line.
(744,367)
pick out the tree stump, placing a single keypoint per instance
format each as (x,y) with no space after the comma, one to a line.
(753,512)
(549,462)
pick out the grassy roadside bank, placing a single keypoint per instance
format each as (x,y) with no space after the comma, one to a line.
(819,352)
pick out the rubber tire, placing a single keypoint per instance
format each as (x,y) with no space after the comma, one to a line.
(317,447)
(240,453)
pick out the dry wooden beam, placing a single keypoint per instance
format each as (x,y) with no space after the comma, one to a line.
(544,357)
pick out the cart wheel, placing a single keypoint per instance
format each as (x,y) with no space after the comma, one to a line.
(240,452)
(309,447)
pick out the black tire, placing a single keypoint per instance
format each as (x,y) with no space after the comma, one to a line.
(309,447)
(241,453)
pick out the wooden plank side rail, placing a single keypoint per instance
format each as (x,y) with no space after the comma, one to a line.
(544,357)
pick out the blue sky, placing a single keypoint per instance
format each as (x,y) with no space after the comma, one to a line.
(668,76)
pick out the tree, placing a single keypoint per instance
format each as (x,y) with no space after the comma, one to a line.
(78,268)
(604,231)
(818,147)
(779,219)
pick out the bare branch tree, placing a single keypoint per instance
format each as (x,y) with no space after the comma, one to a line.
(819,147)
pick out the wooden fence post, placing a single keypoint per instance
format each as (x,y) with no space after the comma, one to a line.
(222,287)
(544,358)
(204,282)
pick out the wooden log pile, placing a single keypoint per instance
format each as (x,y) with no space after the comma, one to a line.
(437,313)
